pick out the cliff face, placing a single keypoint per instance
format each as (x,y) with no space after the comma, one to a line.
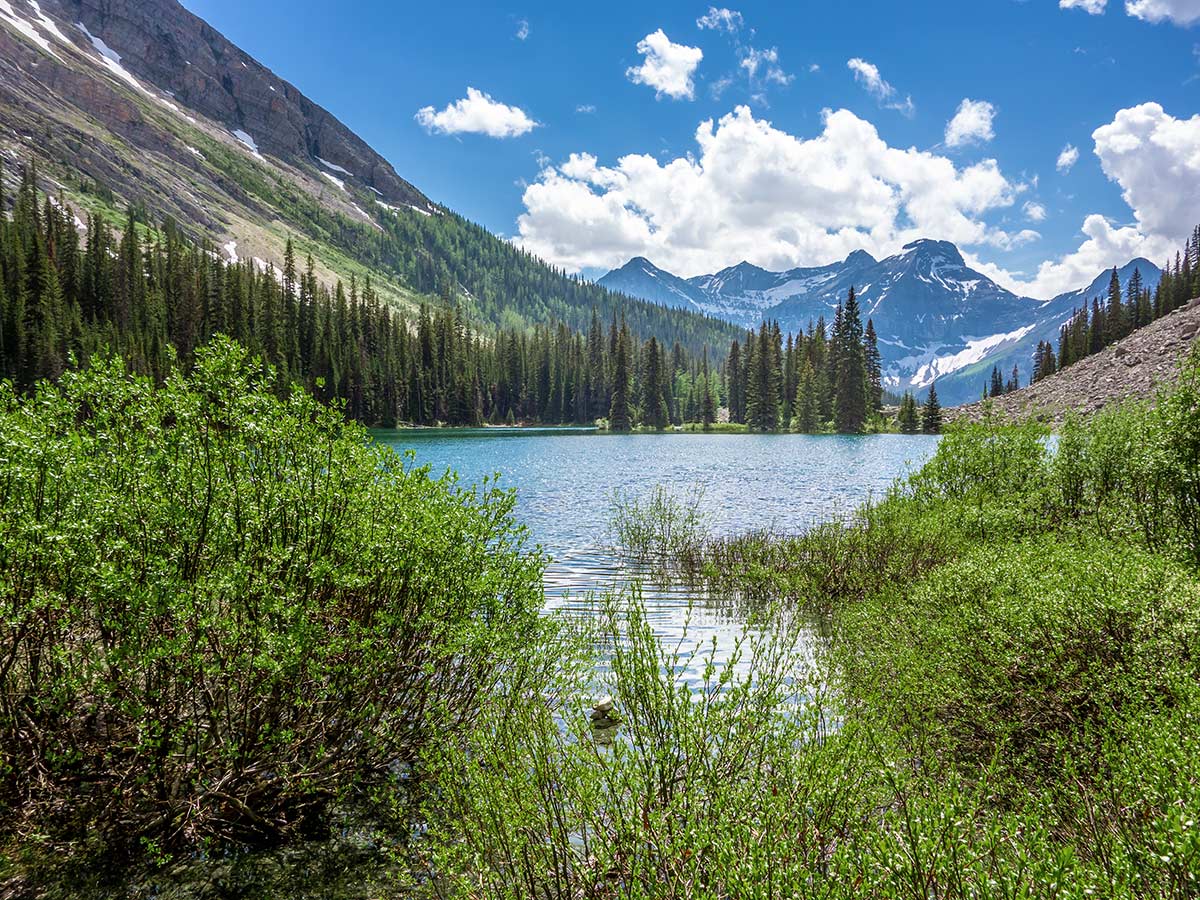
(169,48)
(142,99)
(1131,368)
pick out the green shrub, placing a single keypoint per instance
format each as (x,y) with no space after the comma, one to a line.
(721,788)
(222,614)
(1029,653)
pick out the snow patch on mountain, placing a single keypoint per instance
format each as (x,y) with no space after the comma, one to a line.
(334,168)
(248,141)
(111,60)
(976,350)
(25,27)
(341,184)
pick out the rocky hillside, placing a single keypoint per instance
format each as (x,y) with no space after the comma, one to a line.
(119,101)
(140,103)
(1133,367)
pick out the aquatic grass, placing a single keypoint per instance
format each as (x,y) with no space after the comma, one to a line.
(660,527)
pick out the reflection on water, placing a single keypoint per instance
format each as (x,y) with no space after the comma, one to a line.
(565,481)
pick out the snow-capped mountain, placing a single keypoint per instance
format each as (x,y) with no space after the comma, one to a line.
(641,278)
(936,317)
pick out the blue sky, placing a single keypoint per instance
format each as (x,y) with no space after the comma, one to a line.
(811,157)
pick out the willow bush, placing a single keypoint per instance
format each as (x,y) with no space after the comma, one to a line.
(223,615)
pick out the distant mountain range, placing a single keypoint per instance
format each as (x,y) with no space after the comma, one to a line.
(935,316)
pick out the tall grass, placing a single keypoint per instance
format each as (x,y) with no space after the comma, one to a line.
(660,527)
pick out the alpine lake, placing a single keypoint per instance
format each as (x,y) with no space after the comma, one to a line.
(567,479)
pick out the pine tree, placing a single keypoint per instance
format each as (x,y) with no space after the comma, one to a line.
(654,405)
(874,368)
(1116,319)
(850,404)
(708,412)
(907,417)
(618,414)
(735,384)
(931,416)
(807,406)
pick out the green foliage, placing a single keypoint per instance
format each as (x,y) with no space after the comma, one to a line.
(702,787)
(223,615)
(663,526)
(475,354)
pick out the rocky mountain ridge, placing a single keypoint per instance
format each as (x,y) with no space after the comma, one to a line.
(937,318)
(138,107)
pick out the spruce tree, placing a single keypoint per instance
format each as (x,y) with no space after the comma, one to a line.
(735,384)
(850,405)
(874,367)
(654,405)
(807,406)
(907,417)
(708,412)
(1116,319)
(618,413)
(931,416)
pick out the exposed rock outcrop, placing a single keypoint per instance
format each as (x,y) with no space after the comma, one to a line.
(170,48)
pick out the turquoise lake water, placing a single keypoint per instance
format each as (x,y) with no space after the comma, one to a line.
(565,480)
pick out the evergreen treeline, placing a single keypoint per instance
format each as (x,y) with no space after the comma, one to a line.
(998,386)
(819,380)
(1122,312)
(442,254)
(156,297)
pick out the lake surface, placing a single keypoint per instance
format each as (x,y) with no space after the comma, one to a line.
(565,480)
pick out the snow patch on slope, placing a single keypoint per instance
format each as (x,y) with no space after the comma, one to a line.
(25,27)
(79,223)
(247,141)
(111,60)
(341,184)
(49,24)
(335,168)
(976,350)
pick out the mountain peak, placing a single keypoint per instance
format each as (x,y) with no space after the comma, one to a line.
(860,257)
(931,248)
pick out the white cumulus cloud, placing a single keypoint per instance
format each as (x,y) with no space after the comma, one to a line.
(867,74)
(1155,158)
(477,113)
(1092,7)
(971,124)
(1067,158)
(1181,12)
(1034,212)
(522,29)
(720,19)
(667,67)
(1106,246)
(753,191)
